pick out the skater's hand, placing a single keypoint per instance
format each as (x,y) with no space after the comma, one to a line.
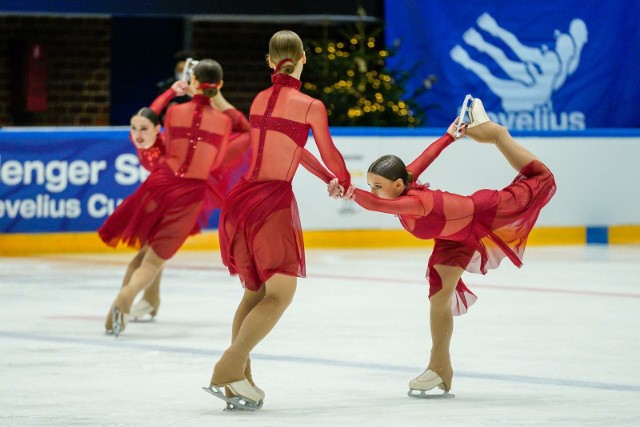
(454,126)
(335,189)
(351,193)
(180,87)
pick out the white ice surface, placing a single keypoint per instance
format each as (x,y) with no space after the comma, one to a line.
(554,343)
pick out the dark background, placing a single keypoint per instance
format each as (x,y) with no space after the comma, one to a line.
(105,58)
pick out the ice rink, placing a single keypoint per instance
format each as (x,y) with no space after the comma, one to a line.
(554,343)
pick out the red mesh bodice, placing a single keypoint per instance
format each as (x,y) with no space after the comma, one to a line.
(196,136)
(280,120)
(423,212)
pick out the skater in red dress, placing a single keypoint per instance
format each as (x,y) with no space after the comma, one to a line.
(260,232)
(167,207)
(472,233)
(148,140)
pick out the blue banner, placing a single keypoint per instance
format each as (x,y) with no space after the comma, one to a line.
(561,65)
(56,181)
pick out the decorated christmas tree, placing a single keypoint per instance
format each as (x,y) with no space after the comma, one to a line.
(351,77)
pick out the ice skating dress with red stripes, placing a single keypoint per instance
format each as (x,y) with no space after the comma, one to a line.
(472,232)
(167,206)
(220,180)
(260,231)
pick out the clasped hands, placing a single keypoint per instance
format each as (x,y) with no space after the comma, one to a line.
(336,190)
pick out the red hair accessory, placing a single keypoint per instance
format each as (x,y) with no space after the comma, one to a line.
(280,64)
(206,85)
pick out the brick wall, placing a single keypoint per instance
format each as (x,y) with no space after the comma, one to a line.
(78,55)
(78,50)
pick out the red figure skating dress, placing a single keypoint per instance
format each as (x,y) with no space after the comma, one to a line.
(472,232)
(260,231)
(168,205)
(219,181)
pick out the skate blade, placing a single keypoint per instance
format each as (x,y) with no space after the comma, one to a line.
(234,403)
(422,394)
(118,321)
(464,110)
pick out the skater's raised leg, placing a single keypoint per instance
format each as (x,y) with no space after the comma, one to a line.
(481,129)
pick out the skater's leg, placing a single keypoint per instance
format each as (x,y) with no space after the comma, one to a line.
(257,323)
(133,265)
(150,301)
(487,131)
(441,321)
(249,300)
(141,278)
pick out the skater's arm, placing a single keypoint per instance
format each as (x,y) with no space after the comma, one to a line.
(313,165)
(403,205)
(179,88)
(317,119)
(427,157)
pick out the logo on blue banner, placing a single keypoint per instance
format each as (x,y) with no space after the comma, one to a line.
(531,73)
(563,66)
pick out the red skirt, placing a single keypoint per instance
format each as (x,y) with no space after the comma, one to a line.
(161,213)
(500,229)
(260,232)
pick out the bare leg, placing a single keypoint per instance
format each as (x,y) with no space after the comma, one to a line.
(133,265)
(257,323)
(152,293)
(517,156)
(441,319)
(249,300)
(141,278)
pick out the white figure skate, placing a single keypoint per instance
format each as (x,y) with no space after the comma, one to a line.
(244,395)
(426,381)
(142,311)
(474,111)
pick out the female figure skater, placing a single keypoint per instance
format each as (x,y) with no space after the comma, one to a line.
(472,233)
(149,142)
(167,207)
(260,231)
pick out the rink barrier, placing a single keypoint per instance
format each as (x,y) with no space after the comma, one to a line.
(49,243)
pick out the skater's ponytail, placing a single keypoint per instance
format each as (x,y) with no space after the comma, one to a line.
(209,74)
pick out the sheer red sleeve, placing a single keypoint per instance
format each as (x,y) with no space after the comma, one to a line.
(222,149)
(314,166)
(403,205)
(317,119)
(429,155)
(162,101)
(239,122)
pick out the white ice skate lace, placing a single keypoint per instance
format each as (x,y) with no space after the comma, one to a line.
(426,375)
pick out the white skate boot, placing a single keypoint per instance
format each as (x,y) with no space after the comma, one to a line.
(143,311)
(425,382)
(477,114)
(474,111)
(238,395)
